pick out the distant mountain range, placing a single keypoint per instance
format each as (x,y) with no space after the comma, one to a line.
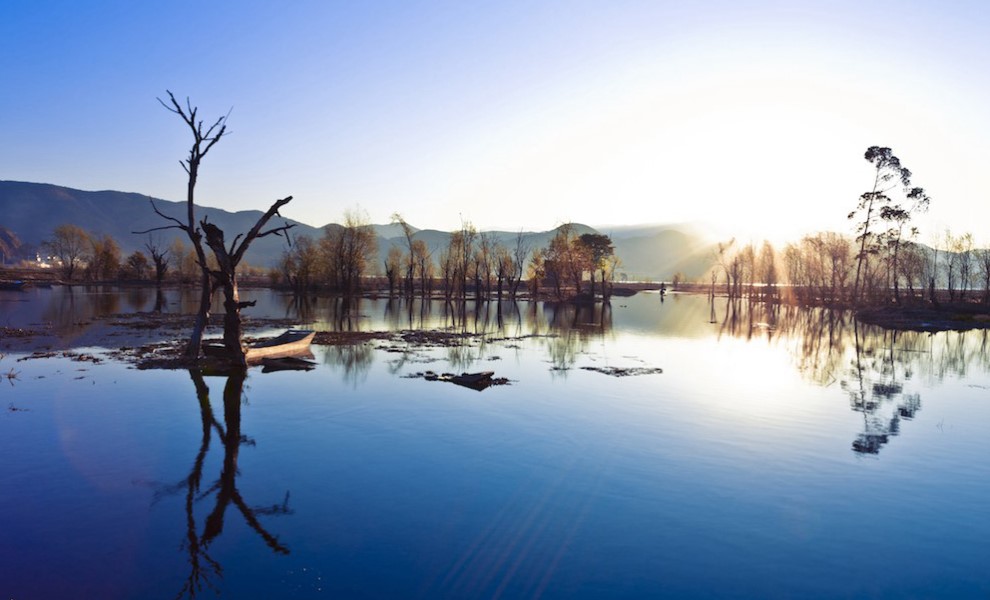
(31,211)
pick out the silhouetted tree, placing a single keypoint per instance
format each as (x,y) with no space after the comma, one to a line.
(226,272)
(503,269)
(871,205)
(520,252)
(912,266)
(410,262)
(963,248)
(983,262)
(898,216)
(203,141)
(423,259)
(463,241)
(484,263)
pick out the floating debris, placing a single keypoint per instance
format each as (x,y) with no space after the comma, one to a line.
(76,356)
(625,371)
(475,381)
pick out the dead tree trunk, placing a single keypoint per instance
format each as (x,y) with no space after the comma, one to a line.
(203,140)
(225,275)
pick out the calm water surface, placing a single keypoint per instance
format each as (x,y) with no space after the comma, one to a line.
(788,454)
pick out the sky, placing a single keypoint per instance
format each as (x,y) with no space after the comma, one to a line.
(749,119)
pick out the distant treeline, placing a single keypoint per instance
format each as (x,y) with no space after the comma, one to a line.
(473,264)
(821,268)
(345,260)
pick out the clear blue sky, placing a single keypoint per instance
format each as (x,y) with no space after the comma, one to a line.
(752,116)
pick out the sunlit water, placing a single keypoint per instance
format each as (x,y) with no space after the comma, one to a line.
(783,454)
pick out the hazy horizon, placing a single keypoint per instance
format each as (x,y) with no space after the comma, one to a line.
(751,119)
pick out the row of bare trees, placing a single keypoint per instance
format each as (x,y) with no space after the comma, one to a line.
(821,269)
(339,260)
(93,257)
(481,264)
(473,264)
(84,256)
(880,264)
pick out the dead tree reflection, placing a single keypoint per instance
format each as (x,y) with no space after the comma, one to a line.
(204,570)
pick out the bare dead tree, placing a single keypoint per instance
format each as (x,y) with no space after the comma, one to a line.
(520,253)
(225,275)
(203,140)
(408,231)
(159,258)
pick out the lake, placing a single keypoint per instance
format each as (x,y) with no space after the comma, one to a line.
(780,453)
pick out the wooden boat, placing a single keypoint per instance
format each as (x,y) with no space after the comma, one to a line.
(290,343)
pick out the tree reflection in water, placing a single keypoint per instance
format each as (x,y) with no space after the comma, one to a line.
(204,570)
(574,327)
(355,359)
(875,367)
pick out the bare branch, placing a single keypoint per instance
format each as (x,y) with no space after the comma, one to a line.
(253,523)
(279,231)
(272,211)
(162,228)
(233,244)
(178,224)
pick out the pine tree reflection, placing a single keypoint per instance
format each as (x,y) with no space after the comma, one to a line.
(876,368)
(204,570)
(876,384)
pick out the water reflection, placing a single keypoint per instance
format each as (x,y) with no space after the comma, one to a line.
(573,328)
(354,359)
(875,385)
(879,370)
(137,298)
(881,374)
(204,570)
